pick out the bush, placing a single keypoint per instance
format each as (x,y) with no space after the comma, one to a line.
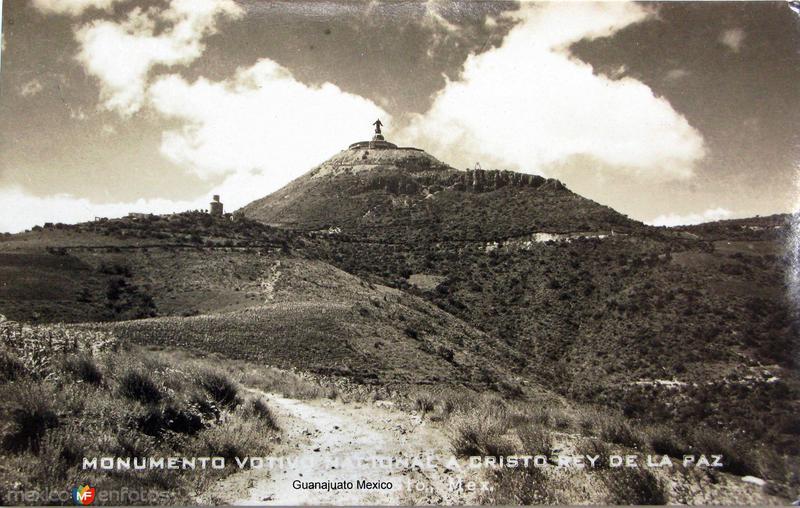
(170,417)
(618,430)
(11,368)
(424,402)
(523,486)
(30,414)
(480,433)
(257,408)
(735,459)
(241,437)
(638,486)
(138,385)
(602,451)
(535,441)
(664,442)
(83,369)
(220,387)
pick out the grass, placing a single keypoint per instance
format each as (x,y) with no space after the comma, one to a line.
(29,414)
(736,459)
(222,389)
(83,369)
(481,431)
(634,486)
(135,384)
(61,405)
(617,430)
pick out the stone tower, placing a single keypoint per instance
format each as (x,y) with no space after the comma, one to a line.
(216,207)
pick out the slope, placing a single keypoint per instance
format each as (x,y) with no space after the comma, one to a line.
(406,195)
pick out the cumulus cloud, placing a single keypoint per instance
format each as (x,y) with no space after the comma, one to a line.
(29,210)
(121,54)
(31,88)
(530,104)
(733,39)
(261,125)
(673,219)
(72,7)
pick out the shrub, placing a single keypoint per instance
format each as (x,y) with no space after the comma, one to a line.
(523,486)
(664,442)
(220,387)
(257,408)
(618,430)
(601,450)
(83,369)
(170,417)
(11,368)
(138,385)
(240,437)
(480,433)
(638,486)
(735,459)
(535,441)
(424,402)
(31,414)
(589,423)
(562,420)
(539,415)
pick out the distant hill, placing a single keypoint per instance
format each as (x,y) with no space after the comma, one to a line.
(407,195)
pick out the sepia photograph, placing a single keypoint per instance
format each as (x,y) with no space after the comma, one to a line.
(399,252)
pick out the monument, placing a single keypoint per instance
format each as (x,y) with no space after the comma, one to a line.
(378,142)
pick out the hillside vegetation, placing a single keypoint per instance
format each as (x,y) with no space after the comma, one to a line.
(398,271)
(69,394)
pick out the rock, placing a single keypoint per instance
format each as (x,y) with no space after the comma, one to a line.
(754,480)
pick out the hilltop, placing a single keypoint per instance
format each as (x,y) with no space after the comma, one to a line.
(407,195)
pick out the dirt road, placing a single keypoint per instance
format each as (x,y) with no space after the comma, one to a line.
(321,442)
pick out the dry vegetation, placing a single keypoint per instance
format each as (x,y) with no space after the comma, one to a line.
(436,284)
(488,425)
(71,394)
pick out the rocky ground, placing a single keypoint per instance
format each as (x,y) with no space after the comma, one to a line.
(320,433)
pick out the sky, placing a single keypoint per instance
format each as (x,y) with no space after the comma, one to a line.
(671,113)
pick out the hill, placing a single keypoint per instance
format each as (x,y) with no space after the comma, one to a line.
(312,316)
(395,270)
(688,325)
(406,195)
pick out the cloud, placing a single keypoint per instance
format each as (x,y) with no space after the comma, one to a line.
(530,104)
(674,219)
(72,7)
(31,88)
(733,39)
(261,127)
(29,210)
(121,54)
(676,74)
